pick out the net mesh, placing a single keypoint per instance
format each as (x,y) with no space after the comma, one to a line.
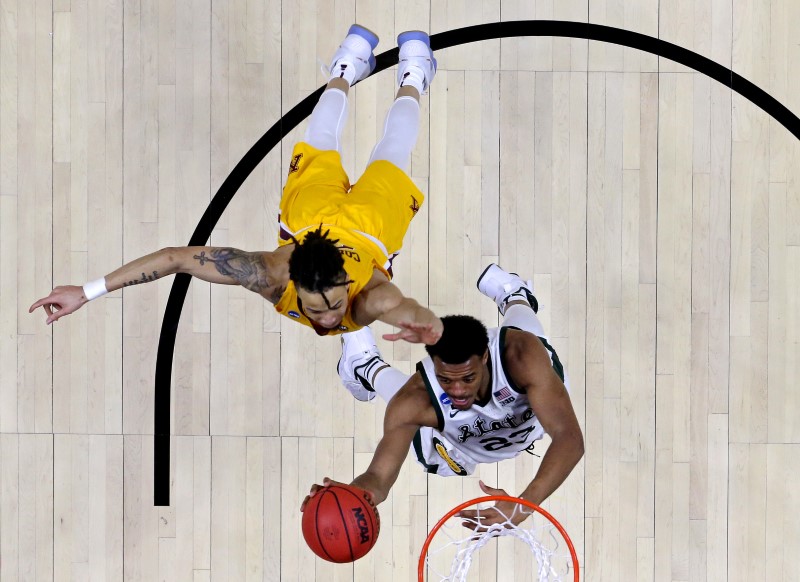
(454,547)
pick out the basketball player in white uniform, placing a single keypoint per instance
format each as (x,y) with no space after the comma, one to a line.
(479,397)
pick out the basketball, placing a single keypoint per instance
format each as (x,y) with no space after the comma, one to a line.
(340,523)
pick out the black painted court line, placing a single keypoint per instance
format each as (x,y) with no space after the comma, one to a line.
(442,40)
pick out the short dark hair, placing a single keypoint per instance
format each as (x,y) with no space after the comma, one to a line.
(463,337)
(316,263)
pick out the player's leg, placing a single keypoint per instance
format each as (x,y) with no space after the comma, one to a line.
(514,297)
(352,62)
(517,304)
(415,71)
(363,371)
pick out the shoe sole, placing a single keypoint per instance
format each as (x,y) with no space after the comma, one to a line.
(530,296)
(371,38)
(478,282)
(365,33)
(417,35)
(370,390)
(486,270)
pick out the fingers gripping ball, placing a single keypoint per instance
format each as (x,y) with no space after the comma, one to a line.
(340,523)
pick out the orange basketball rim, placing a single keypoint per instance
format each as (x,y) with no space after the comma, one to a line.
(541,535)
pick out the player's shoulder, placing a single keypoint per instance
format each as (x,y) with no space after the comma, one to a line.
(369,300)
(521,349)
(413,392)
(377,278)
(515,340)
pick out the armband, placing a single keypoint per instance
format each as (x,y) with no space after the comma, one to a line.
(95,289)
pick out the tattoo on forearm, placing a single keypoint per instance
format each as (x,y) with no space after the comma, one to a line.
(145,279)
(246,268)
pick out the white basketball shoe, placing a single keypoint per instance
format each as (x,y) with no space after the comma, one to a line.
(416,61)
(359,353)
(504,287)
(355,52)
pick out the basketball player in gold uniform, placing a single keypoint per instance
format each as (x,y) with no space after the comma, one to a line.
(332,268)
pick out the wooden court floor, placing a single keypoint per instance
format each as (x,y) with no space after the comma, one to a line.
(657,212)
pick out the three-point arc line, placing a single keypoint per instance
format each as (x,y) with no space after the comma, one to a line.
(495,30)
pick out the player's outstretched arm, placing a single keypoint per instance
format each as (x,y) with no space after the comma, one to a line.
(222,265)
(382,473)
(528,364)
(409,410)
(386,303)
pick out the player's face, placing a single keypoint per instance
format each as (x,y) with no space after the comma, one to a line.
(318,311)
(463,383)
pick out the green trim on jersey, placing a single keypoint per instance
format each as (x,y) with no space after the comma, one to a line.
(503,363)
(432,395)
(558,367)
(488,397)
(433,469)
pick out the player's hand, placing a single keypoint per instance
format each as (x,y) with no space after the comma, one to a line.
(326,482)
(62,301)
(503,511)
(416,333)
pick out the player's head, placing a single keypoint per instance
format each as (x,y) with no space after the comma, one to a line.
(459,359)
(316,268)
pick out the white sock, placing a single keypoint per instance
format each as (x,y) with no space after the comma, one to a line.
(344,70)
(413,77)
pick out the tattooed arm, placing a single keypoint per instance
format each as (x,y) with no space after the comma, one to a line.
(222,265)
(227,266)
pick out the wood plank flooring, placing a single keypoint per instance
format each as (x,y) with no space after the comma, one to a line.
(657,212)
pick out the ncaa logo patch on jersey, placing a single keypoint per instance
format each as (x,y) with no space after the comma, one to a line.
(505,396)
(445,399)
(294,314)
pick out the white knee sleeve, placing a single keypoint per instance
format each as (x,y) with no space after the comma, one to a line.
(388,381)
(524,318)
(399,133)
(324,130)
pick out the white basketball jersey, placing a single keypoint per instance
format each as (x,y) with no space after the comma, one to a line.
(498,429)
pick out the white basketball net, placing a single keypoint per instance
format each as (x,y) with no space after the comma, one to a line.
(553,561)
